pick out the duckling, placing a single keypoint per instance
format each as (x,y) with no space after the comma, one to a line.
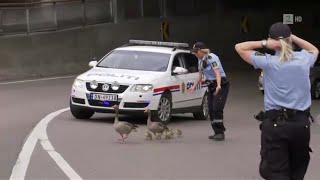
(167,134)
(179,132)
(158,135)
(148,135)
(171,133)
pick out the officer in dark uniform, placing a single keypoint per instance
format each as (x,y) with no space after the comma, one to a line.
(218,87)
(285,127)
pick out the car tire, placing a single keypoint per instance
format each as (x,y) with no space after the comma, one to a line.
(262,92)
(315,90)
(204,111)
(79,112)
(164,111)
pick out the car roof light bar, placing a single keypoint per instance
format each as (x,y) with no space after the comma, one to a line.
(159,43)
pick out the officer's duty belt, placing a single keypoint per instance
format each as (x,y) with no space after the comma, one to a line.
(224,80)
(288,112)
(285,113)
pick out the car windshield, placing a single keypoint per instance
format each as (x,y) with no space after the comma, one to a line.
(136,60)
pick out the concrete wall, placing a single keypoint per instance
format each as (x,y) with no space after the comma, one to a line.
(225,32)
(69,51)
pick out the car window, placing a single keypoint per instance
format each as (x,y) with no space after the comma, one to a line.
(191,62)
(136,60)
(176,62)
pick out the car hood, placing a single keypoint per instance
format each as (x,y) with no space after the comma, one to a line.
(122,76)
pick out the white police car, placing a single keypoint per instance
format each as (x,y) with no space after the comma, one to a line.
(139,75)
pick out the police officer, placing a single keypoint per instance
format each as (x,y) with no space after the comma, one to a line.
(218,87)
(285,134)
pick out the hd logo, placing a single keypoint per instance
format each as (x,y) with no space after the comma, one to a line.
(190,84)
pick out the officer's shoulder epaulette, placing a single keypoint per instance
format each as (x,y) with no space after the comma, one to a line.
(214,64)
(259,54)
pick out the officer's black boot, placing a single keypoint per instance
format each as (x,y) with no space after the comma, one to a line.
(219,131)
(218,137)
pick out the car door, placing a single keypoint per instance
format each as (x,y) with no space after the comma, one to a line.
(176,80)
(190,62)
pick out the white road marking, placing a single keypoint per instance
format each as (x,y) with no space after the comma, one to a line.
(64,166)
(35,80)
(20,168)
(40,133)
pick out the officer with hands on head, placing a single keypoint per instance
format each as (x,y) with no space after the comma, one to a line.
(285,127)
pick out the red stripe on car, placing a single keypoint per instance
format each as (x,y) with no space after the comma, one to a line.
(166,87)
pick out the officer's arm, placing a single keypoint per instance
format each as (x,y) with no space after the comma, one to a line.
(199,78)
(217,73)
(305,45)
(245,49)
(218,76)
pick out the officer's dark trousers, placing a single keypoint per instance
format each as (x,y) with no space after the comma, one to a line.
(285,146)
(216,105)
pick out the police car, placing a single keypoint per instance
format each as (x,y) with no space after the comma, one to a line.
(314,81)
(140,75)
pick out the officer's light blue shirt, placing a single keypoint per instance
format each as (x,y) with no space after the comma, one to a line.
(286,84)
(213,63)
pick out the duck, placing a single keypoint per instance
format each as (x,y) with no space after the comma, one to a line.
(156,128)
(122,127)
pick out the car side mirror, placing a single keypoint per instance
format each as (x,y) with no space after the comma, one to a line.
(179,71)
(93,63)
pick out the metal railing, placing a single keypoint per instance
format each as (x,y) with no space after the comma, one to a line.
(31,17)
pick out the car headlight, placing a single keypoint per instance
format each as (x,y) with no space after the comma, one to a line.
(78,83)
(142,87)
(115,86)
(94,84)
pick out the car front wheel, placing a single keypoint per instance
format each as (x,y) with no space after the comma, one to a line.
(164,111)
(80,113)
(204,111)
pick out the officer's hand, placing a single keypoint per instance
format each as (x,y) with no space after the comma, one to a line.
(273,44)
(218,88)
(191,89)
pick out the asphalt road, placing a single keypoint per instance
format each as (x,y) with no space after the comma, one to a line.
(23,105)
(91,149)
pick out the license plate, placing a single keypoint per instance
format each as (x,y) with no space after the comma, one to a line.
(104,97)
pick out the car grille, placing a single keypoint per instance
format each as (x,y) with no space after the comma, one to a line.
(102,104)
(121,89)
(135,105)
